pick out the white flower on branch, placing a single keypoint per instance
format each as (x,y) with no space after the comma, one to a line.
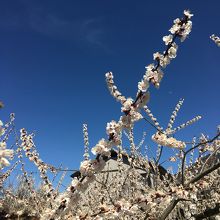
(86,142)
(113,128)
(143,85)
(186,29)
(182,27)
(131,111)
(168,39)
(101,148)
(4,153)
(188,14)
(157,56)
(172,51)
(153,75)
(143,100)
(153,119)
(86,168)
(3,162)
(98,164)
(174,114)
(125,121)
(216,39)
(184,125)
(135,116)
(127,105)
(164,61)
(113,89)
(2,130)
(77,184)
(176,27)
(163,140)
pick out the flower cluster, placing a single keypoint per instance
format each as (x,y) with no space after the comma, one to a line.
(216,39)
(129,107)
(28,147)
(102,148)
(190,122)
(154,74)
(86,168)
(4,153)
(174,114)
(182,27)
(153,119)
(7,174)
(113,130)
(86,142)
(131,111)
(113,89)
(164,140)
(2,130)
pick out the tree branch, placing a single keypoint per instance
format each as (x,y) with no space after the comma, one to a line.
(201,175)
(208,212)
(169,209)
(196,146)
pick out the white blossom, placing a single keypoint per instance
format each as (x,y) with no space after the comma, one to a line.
(125,121)
(164,61)
(216,39)
(172,51)
(3,162)
(163,140)
(143,85)
(168,39)
(2,130)
(143,100)
(176,27)
(113,128)
(127,105)
(4,154)
(186,30)
(76,183)
(101,148)
(154,76)
(86,168)
(188,14)
(135,116)
(113,89)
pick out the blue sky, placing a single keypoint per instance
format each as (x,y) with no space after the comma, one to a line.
(54,54)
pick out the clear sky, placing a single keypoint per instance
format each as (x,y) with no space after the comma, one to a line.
(54,54)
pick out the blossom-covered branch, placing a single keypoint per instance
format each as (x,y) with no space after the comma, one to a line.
(154,74)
